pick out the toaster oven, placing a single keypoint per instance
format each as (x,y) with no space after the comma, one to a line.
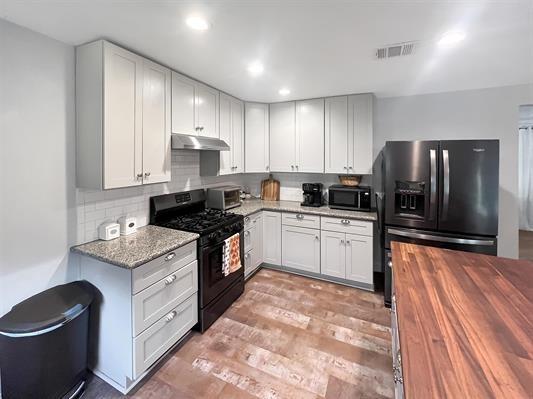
(224,198)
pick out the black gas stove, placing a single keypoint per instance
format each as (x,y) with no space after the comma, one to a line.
(186,211)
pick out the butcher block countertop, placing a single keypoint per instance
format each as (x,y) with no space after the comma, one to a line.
(465,323)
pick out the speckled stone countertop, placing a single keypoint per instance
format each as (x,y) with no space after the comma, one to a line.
(133,250)
(255,205)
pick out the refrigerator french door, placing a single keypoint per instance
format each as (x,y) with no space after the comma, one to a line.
(468,187)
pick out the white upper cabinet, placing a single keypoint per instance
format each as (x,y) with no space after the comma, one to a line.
(360,125)
(156,123)
(336,133)
(282,137)
(297,136)
(207,110)
(257,155)
(122,117)
(183,100)
(232,132)
(310,136)
(195,107)
(348,134)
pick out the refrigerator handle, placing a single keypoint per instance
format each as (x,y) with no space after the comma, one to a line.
(445,184)
(433,184)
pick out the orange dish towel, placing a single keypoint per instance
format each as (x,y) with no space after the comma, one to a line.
(231,254)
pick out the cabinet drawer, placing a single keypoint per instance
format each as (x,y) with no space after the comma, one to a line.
(155,301)
(248,242)
(156,340)
(349,226)
(300,220)
(155,270)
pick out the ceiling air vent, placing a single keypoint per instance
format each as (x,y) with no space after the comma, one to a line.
(395,50)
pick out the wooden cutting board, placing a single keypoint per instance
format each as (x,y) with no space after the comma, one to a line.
(270,189)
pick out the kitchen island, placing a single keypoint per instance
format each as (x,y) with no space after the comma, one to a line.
(464,323)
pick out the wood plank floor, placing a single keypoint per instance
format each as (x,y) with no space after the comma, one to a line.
(286,337)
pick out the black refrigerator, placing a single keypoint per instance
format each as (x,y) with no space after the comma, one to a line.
(441,194)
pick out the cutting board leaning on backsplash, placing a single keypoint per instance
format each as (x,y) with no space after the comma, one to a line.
(270,189)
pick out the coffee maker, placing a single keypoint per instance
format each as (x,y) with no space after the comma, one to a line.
(312,194)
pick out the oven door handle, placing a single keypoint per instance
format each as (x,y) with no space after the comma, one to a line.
(430,237)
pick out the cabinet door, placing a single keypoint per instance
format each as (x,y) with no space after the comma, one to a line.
(256,138)
(237,129)
(359,265)
(336,135)
(257,240)
(310,136)
(156,123)
(272,238)
(123,74)
(360,126)
(333,254)
(301,248)
(183,98)
(206,108)
(226,161)
(282,137)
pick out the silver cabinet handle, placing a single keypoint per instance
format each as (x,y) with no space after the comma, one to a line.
(299,216)
(170,279)
(246,233)
(139,176)
(345,167)
(246,219)
(345,221)
(197,128)
(146,174)
(342,242)
(316,237)
(349,167)
(445,184)
(267,167)
(292,166)
(389,263)
(170,256)
(170,316)
(348,242)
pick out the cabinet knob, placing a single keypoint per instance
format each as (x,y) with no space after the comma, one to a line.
(246,219)
(146,174)
(316,237)
(345,167)
(299,216)
(246,233)
(267,167)
(348,242)
(170,256)
(342,242)
(139,176)
(201,128)
(292,166)
(170,279)
(349,167)
(170,316)
(197,128)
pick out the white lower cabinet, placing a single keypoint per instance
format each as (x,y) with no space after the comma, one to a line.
(139,313)
(301,248)
(272,237)
(359,266)
(333,254)
(152,343)
(253,243)
(347,256)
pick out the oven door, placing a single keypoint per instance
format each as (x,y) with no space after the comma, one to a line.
(212,280)
(343,199)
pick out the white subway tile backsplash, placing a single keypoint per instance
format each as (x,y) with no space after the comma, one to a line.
(96,207)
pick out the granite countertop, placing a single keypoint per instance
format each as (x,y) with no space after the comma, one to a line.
(135,249)
(255,205)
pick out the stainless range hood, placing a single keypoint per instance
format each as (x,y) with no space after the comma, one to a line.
(186,142)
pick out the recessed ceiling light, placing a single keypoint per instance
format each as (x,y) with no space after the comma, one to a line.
(284,91)
(451,38)
(197,23)
(255,68)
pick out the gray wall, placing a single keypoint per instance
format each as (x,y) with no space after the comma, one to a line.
(472,114)
(37,210)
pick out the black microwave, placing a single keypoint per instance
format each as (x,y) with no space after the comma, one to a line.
(350,198)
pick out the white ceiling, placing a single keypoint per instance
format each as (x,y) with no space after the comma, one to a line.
(315,48)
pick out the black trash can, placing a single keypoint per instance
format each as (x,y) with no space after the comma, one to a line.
(43,343)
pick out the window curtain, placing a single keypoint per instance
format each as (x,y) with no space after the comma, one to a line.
(525,177)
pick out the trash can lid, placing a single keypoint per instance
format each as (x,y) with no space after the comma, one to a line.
(48,309)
